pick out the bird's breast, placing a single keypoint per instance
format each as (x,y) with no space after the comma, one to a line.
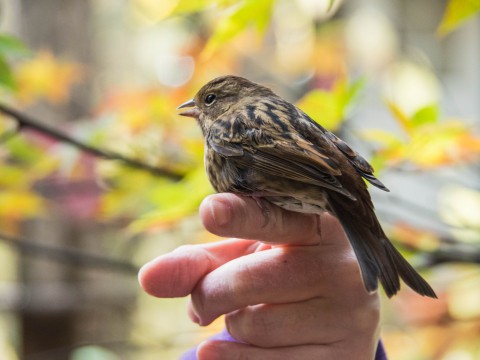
(222,173)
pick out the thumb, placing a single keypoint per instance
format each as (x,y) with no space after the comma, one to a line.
(237,216)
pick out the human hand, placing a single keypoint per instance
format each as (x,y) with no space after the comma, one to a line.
(294,293)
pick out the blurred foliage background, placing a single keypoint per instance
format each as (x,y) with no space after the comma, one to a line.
(400,80)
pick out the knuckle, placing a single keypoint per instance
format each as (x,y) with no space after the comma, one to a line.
(198,302)
(363,315)
(367,317)
(253,325)
(244,280)
(198,252)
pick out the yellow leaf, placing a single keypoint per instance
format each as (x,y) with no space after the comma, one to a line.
(44,77)
(12,176)
(400,116)
(385,138)
(391,152)
(323,107)
(456,13)
(445,143)
(430,144)
(19,204)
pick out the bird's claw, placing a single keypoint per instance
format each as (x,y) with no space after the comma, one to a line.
(265,209)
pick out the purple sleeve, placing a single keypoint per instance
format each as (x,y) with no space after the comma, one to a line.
(225,336)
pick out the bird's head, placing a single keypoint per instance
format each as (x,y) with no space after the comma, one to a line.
(218,96)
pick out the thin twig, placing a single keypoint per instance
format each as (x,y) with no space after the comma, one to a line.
(26,121)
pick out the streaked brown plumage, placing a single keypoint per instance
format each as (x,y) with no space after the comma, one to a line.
(260,145)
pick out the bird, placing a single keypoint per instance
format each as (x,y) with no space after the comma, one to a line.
(258,144)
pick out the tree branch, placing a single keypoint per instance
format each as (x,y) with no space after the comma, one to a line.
(453,254)
(26,121)
(68,256)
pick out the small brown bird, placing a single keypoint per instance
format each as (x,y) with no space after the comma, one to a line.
(259,145)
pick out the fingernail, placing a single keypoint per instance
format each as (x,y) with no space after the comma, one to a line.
(211,350)
(221,212)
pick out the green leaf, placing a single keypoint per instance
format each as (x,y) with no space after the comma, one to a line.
(329,108)
(6,76)
(426,115)
(11,45)
(23,151)
(330,5)
(353,91)
(240,18)
(175,200)
(188,6)
(456,13)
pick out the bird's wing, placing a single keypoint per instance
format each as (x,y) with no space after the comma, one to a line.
(279,155)
(359,163)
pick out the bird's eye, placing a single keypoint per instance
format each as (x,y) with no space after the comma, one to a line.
(209,99)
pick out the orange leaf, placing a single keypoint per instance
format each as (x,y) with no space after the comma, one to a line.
(415,237)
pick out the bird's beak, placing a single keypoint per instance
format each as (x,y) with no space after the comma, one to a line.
(193,112)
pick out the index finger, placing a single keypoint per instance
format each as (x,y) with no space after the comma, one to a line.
(177,273)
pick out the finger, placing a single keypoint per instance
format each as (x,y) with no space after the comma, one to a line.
(278,275)
(314,321)
(225,350)
(177,273)
(232,215)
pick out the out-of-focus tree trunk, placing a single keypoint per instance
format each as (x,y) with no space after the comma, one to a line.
(63,305)
(48,318)
(63,27)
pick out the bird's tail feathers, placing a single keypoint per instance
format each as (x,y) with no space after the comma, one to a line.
(374,263)
(379,260)
(408,274)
